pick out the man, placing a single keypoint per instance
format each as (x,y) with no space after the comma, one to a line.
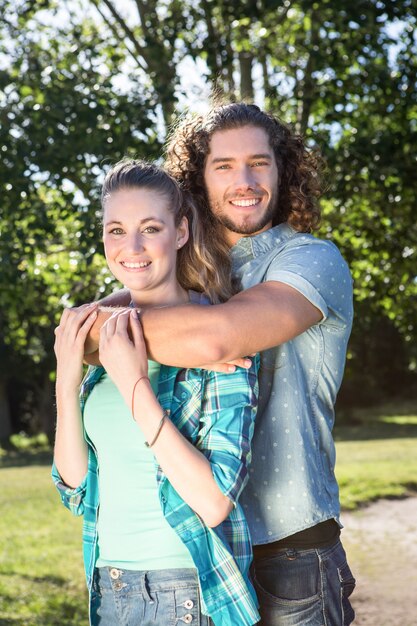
(256,181)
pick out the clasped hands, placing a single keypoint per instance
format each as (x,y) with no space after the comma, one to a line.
(72,336)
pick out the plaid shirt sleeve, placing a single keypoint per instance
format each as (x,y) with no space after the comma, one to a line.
(228,412)
(71,498)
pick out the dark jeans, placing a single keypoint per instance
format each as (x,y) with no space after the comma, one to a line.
(304,587)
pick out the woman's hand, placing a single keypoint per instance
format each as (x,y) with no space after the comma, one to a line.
(123,350)
(70,337)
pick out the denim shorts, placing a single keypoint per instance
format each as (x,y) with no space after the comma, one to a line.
(304,587)
(135,598)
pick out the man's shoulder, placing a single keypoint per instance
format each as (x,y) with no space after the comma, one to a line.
(300,239)
(316,268)
(282,238)
(304,249)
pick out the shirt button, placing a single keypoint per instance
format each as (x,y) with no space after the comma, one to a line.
(114,573)
(188,604)
(187,618)
(183,395)
(203,577)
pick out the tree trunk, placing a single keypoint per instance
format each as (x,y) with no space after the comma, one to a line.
(246,83)
(307,91)
(46,408)
(5,421)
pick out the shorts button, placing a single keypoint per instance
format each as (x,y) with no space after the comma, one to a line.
(188,604)
(187,618)
(114,573)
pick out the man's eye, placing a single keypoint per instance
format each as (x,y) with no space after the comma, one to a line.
(259,163)
(225,166)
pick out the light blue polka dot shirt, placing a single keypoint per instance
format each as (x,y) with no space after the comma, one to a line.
(292,485)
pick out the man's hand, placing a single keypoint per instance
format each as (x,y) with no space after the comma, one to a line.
(230,366)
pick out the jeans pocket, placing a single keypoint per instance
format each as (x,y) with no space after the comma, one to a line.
(347,585)
(289,577)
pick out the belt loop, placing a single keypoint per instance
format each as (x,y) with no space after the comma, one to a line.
(145,589)
(291,554)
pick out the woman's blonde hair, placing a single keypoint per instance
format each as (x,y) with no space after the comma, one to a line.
(203,262)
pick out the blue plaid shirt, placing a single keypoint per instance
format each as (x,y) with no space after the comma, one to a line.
(216,413)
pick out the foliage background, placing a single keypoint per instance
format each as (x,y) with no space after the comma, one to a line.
(84,82)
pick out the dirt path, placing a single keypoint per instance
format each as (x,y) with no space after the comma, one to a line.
(381,544)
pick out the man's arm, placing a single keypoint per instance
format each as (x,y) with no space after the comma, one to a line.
(256,319)
(120,298)
(261,317)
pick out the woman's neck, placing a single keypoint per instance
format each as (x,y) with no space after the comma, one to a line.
(159,298)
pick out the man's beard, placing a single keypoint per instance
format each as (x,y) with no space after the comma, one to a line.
(246,226)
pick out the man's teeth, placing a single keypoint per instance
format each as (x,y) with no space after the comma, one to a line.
(249,202)
(136,266)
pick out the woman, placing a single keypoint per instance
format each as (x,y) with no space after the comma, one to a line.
(175,549)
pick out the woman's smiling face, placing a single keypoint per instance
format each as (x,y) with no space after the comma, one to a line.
(141,242)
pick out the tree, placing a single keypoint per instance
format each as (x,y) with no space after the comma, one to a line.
(63,121)
(87,81)
(347,75)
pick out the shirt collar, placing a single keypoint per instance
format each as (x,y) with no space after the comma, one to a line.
(248,248)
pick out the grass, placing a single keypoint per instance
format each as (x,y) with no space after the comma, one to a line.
(377,455)
(41,573)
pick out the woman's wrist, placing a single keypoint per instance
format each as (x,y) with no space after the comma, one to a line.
(145,379)
(144,405)
(63,387)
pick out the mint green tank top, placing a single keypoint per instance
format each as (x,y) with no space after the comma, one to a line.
(132,531)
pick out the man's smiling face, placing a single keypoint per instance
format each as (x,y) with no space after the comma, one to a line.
(241,178)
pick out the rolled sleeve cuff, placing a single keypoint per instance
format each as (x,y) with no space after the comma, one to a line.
(230,477)
(71,497)
(303,286)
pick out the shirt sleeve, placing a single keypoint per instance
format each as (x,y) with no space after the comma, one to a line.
(229,406)
(71,498)
(316,269)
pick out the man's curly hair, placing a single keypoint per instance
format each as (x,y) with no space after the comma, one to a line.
(299,184)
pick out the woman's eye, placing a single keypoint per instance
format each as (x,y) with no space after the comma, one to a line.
(151,229)
(116,231)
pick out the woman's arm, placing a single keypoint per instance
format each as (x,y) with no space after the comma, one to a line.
(70,452)
(187,469)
